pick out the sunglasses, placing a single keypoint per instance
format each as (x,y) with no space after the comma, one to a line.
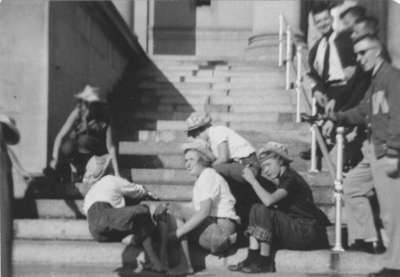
(364,51)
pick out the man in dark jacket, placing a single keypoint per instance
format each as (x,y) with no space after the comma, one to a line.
(380,111)
(332,61)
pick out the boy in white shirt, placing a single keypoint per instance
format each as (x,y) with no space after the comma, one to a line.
(109,218)
(232,153)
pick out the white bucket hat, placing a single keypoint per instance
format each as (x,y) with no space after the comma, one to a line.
(274,147)
(197,120)
(12,136)
(89,94)
(96,168)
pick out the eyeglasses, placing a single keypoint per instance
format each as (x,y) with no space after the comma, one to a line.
(364,51)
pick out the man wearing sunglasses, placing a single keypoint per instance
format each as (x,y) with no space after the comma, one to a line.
(380,111)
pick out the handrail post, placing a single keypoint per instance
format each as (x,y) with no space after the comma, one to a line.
(299,78)
(288,55)
(313,167)
(280,49)
(339,189)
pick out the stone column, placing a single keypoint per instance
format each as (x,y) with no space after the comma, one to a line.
(266,12)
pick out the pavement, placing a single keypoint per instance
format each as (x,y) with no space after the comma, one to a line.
(103,271)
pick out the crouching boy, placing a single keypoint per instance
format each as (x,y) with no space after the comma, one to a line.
(110,219)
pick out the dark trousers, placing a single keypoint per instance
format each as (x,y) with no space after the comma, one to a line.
(113,224)
(283,231)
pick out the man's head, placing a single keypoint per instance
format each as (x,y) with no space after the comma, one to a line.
(322,17)
(367,25)
(368,49)
(351,15)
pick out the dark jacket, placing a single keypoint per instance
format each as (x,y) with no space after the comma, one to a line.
(380,111)
(344,46)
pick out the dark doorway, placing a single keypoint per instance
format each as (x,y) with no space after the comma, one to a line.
(174,30)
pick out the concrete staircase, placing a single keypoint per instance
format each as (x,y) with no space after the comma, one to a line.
(247,96)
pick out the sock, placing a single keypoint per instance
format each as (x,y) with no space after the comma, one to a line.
(252,254)
(264,260)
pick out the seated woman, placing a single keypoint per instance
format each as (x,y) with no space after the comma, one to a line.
(85,133)
(287,217)
(212,223)
(232,153)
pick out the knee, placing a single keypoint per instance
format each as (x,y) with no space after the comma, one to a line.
(215,243)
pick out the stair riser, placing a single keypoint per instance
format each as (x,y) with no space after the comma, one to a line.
(59,210)
(286,137)
(91,253)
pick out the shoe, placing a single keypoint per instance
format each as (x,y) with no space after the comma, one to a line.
(257,268)
(305,155)
(239,266)
(368,247)
(386,272)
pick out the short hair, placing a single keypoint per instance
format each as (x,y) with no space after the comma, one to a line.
(203,159)
(371,23)
(371,38)
(356,11)
(195,132)
(319,7)
(272,155)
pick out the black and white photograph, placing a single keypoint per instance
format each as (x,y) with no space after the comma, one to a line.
(221,138)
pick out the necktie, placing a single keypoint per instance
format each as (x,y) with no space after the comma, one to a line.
(325,69)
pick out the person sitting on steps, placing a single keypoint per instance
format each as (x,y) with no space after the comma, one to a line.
(287,217)
(232,153)
(109,215)
(211,224)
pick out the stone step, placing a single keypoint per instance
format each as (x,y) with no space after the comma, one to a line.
(256,100)
(173,99)
(61,209)
(175,148)
(180,125)
(177,85)
(285,136)
(161,181)
(260,93)
(76,253)
(250,85)
(262,116)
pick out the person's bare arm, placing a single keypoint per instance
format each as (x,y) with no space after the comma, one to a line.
(112,151)
(61,134)
(223,153)
(268,199)
(196,219)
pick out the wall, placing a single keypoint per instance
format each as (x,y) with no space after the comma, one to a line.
(266,15)
(24,75)
(82,51)
(393,30)
(125,8)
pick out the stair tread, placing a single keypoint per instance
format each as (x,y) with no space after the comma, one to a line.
(91,252)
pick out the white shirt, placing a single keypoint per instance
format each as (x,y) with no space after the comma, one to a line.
(237,145)
(335,65)
(112,189)
(211,185)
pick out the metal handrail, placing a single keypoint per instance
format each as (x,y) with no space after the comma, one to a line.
(316,137)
